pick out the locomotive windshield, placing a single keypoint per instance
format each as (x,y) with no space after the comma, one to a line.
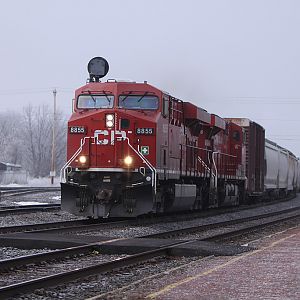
(138,102)
(95,101)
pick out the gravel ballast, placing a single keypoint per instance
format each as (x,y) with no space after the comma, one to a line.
(129,278)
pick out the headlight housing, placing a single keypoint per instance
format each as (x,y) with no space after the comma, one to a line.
(83,161)
(128,161)
(109,120)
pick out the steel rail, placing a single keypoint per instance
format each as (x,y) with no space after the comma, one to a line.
(85,227)
(11,263)
(4,210)
(237,232)
(11,192)
(59,226)
(44,226)
(62,253)
(52,280)
(20,188)
(73,225)
(213,225)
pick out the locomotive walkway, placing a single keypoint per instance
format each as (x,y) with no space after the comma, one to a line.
(270,272)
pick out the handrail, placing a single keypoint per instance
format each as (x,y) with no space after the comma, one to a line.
(214,164)
(204,165)
(195,147)
(82,143)
(207,150)
(145,160)
(67,164)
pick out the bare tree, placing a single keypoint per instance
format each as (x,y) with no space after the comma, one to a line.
(37,128)
(26,139)
(10,144)
(61,141)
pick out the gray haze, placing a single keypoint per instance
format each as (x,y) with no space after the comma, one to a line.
(234,58)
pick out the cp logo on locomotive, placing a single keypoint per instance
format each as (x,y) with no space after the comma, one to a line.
(107,137)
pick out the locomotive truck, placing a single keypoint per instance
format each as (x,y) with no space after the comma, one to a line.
(134,149)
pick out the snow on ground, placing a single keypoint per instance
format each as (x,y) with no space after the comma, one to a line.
(46,181)
(32,199)
(28,203)
(37,182)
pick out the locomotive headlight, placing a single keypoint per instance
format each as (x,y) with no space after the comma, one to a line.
(82,159)
(128,160)
(110,120)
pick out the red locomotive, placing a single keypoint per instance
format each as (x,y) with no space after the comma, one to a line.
(134,149)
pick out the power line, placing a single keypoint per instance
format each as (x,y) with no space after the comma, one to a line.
(284,135)
(34,91)
(286,139)
(274,119)
(265,97)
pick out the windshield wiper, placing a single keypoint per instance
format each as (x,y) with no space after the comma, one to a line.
(142,97)
(92,97)
(125,97)
(106,97)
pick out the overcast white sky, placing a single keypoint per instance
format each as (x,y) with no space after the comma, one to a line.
(235,58)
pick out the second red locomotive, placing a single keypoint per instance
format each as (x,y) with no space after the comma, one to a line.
(134,149)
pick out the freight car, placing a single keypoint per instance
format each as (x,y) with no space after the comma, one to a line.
(282,170)
(271,171)
(134,149)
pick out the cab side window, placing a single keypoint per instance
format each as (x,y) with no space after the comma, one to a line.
(236,136)
(165,107)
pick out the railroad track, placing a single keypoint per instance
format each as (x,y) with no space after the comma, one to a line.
(213,225)
(10,210)
(242,225)
(77,225)
(17,191)
(80,225)
(90,224)
(65,226)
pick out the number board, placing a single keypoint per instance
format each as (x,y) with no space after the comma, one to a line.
(145,131)
(77,129)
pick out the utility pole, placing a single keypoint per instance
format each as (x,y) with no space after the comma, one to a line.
(52,172)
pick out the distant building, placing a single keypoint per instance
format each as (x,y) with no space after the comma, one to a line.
(10,173)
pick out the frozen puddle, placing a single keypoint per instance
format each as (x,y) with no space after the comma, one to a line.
(29,203)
